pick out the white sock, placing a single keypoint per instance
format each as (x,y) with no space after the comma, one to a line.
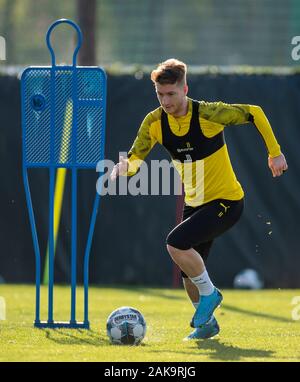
(203,283)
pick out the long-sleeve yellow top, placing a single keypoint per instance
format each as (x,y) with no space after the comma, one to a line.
(217,179)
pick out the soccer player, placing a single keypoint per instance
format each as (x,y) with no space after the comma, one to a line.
(193,134)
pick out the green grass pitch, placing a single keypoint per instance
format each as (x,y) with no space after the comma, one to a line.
(255,326)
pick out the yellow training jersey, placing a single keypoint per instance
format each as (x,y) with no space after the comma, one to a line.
(208,176)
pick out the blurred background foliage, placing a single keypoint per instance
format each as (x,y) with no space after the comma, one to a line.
(141,32)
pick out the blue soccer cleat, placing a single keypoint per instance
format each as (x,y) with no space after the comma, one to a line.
(208,330)
(206,308)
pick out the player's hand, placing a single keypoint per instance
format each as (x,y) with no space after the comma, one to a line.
(119,169)
(277,165)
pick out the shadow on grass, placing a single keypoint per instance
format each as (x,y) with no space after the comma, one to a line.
(79,337)
(256,314)
(218,351)
(224,352)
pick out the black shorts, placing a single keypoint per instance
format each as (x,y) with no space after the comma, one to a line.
(201,225)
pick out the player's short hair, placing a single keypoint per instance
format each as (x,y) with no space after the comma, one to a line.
(170,72)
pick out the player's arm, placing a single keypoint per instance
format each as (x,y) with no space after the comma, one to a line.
(142,145)
(276,161)
(237,114)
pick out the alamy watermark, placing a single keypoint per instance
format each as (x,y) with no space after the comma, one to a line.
(2,49)
(296,310)
(160,177)
(2,309)
(296,50)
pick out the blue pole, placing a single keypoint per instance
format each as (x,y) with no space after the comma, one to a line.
(51,197)
(86,260)
(74,245)
(51,244)
(74,194)
(35,244)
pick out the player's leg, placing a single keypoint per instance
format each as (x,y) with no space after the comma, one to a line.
(205,224)
(203,249)
(211,329)
(192,291)
(208,330)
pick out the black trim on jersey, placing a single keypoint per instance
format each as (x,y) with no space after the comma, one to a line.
(251,118)
(193,145)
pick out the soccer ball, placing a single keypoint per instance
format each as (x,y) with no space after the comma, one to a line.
(126,326)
